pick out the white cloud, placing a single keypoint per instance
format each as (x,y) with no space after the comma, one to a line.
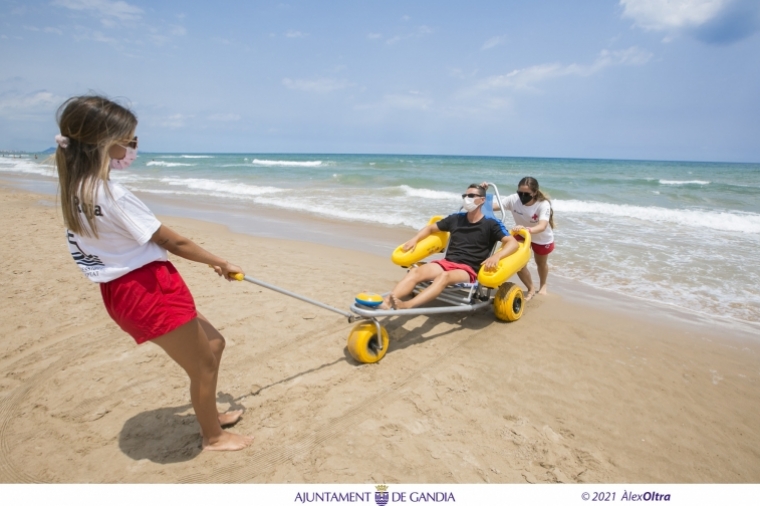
(98,37)
(17,105)
(493,42)
(226,118)
(526,78)
(410,101)
(295,34)
(173,120)
(421,31)
(711,21)
(122,23)
(315,85)
(108,8)
(661,15)
(374,35)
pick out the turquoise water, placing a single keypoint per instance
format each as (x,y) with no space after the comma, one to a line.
(680,233)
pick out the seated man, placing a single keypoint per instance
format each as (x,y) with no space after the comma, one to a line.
(472,238)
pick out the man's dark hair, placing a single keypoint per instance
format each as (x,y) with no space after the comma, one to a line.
(481,190)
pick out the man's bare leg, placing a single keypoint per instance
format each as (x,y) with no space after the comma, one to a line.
(433,290)
(406,286)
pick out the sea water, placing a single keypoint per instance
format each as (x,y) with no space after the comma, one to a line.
(679,233)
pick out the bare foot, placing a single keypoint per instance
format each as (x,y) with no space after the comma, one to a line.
(543,291)
(529,295)
(230,417)
(227,442)
(397,303)
(386,304)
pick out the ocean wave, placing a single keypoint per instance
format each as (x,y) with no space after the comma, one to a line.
(196,156)
(27,167)
(732,221)
(163,192)
(331,211)
(694,181)
(169,164)
(286,163)
(428,194)
(222,187)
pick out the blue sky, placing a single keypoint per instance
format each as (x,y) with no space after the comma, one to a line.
(635,79)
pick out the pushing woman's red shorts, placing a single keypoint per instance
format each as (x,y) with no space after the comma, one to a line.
(538,249)
(149,302)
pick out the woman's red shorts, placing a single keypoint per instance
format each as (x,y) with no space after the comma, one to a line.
(538,249)
(149,302)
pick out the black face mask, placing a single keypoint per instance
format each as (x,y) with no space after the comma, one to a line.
(525,197)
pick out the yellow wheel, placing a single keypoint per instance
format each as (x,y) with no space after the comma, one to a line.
(362,343)
(508,303)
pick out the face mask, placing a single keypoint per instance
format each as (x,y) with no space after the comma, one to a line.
(126,161)
(469,204)
(525,197)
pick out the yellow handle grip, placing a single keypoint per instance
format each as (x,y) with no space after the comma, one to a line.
(237,276)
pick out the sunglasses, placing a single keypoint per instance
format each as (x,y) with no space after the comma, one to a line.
(471,195)
(131,144)
(524,194)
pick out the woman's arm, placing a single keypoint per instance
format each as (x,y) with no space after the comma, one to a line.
(535,229)
(496,203)
(183,247)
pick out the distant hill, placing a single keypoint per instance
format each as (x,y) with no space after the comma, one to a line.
(48,151)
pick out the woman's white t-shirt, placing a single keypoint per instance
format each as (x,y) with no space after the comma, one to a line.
(125,226)
(529,216)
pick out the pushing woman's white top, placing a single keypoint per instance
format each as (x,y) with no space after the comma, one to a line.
(529,216)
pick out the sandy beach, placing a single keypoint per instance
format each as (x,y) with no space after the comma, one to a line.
(572,392)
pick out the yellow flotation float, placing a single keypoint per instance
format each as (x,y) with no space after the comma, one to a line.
(436,242)
(430,245)
(507,266)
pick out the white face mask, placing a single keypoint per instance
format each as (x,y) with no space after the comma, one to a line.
(126,161)
(469,204)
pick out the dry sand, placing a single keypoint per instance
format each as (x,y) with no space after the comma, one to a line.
(569,393)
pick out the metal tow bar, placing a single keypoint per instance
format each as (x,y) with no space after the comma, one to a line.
(241,277)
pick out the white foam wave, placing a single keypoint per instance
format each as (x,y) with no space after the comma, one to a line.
(224,188)
(286,163)
(732,221)
(163,192)
(169,164)
(196,156)
(428,194)
(694,181)
(330,211)
(27,167)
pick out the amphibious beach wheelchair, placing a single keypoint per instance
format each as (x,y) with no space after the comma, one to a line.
(368,341)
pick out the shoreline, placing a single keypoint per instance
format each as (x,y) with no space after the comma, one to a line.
(380,240)
(569,393)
